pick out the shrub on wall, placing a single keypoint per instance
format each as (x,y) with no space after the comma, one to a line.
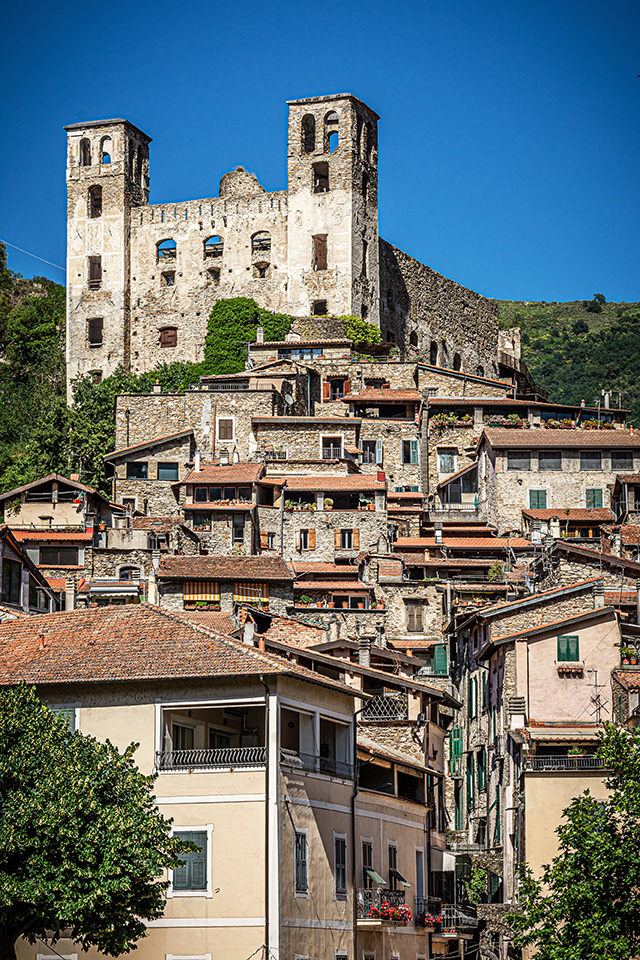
(232,325)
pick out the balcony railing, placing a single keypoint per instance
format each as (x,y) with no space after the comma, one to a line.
(386,906)
(428,912)
(313,763)
(564,763)
(456,917)
(386,707)
(225,757)
(454,508)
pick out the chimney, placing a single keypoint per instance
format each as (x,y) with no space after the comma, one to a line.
(260,335)
(156,387)
(334,628)
(554,527)
(69,594)
(248,631)
(41,641)
(196,461)
(598,594)
(364,651)
(152,592)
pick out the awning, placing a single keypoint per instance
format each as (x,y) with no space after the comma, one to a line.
(398,876)
(563,734)
(250,592)
(374,875)
(201,590)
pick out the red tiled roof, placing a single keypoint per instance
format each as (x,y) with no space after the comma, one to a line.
(459,375)
(628,477)
(630,533)
(540,438)
(57,583)
(360,481)
(126,643)
(321,566)
(630,679)
(463,543)
(384,396)
(224,568)
(212,619)
(596,514)
(331,585)
(626,597)
(233,473)
(51,476)
(405,495)
(458,473)
(147,443)
(52,536)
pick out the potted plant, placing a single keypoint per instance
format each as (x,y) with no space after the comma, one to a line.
(625,653)
(328,503)
(304,600)
(331,603)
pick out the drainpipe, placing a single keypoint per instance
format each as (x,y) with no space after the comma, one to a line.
(282,490)
(354,872)
(272,826)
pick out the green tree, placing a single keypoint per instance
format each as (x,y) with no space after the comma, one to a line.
(82,844)
(580,326)
(359,330)
(586,905)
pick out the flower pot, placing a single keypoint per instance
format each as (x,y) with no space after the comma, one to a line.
(625,661)
(361,606)
(331,603)
(372,506)
(634,661)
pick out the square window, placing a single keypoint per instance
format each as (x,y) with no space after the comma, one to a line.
(137,471)
(169,279)
(569,649)
(215,493)
(167,471)
(169,336)
(200,494)
(593,498)
(225,429)
(331,448)
(192,875)
(590,460)
(622,460)
(550,460)
(447,461)
(538,499)
(518,460)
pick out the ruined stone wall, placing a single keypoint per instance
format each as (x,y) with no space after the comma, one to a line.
(417,304)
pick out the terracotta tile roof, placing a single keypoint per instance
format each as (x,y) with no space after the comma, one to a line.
(294,344)
(629,679)
(320,566)
(306,421)
(410,644)
(459,473)
(383,396)
(224,568)
(630,533)
(458,375)
(390,568)
(596,557)
(52,536)
(57,583)
(331,585)
(595,515)
(463,543)
(147,443)
(212,619)
(405,495)
(625,597)
(360,481)
(51,476)
(541,438)
(127,643)
(232,473)
(628,477)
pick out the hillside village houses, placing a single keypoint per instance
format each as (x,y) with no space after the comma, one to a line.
(396,586)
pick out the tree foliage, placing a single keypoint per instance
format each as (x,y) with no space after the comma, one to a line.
(586,906)
(232,325)
(82,844)
(359,330)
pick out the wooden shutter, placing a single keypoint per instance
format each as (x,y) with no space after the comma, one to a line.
(440,659)
(264,540)
(347,387)
(298,539)
(413,458)
(568,648)
(356,539)
(379,452)
(94,330)
(326,390)
(169,337)
(192,874)
(312,539)
(336,539)
(455,742)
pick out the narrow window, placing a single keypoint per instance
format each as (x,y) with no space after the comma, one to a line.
(457,361)
(166,250)
(169,337)
(301,871)
(590,460)
(95,327)
(308,133)
(340,867)
(192,875)
(237,528)
(167,471)
(168,279)
(433,354)
(593,497)
(95,273)
(106,150)
(414,617)
(213,247)
(538,499)
(331,137)
(303,536)
(413,338)
(393,866)
(365,186)
(569,649)
(95,202)
(225,429)
(410,451)
(479,371)
(85,153)
(320,251)
(320,177)
(96,375)
(346,539)
(370,142)
(261,242)
(365,256)
(137,470)
(367,864)
(319,308)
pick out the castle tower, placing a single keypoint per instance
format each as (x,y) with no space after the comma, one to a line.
(333,207)
(107,175)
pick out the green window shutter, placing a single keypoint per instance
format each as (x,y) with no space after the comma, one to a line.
(481,764)
(440,659)
(455,742)
(537,499)
(594,498)
(414,452)
(68,714)
(192,875)
(484,692)
(568,648)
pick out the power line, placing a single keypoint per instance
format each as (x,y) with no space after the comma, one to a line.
(35,256)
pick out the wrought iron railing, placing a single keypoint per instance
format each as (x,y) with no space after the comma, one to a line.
(564,763)
(457,917)
(387,706)
(224,757)
(317,764)
(454,508)
(380,904)
(427,911)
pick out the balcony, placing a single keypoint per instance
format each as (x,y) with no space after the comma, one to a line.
(565,764)
(312,763)
(458,918)
(428,912)
(376,907)
(226,757)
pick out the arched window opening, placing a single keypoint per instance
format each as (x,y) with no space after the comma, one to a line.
(166,250)
(413,339)
(261,271)
(169,337)
(457,361)
(213,247)
(95,329)
(106,150)
(319,308)
(433,354)
(365,186)
(479,370)
(85,153)
(331,137)
(95,202)
(261,242)
(320,177)
(127,574)
(308,133)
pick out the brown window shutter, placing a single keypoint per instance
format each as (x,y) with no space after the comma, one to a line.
(336,539)
(264,540)
(297,539)
(347,386)
(326,390)
(312,539)
(356,539)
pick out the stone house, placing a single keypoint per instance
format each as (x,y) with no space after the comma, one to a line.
(220,504)
(625,498)
(146,476)
(219,582)
(143,277)
(25,589)
(576,524)
(546,468)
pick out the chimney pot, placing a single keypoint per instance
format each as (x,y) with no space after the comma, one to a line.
(41,641)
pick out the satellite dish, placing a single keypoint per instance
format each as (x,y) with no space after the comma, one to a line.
(288,399)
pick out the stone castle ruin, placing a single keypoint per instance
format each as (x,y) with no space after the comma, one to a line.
(142,278)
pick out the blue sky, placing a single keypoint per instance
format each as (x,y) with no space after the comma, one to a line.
(509,142)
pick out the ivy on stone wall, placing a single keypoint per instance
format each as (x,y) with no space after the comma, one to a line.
(232,326)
